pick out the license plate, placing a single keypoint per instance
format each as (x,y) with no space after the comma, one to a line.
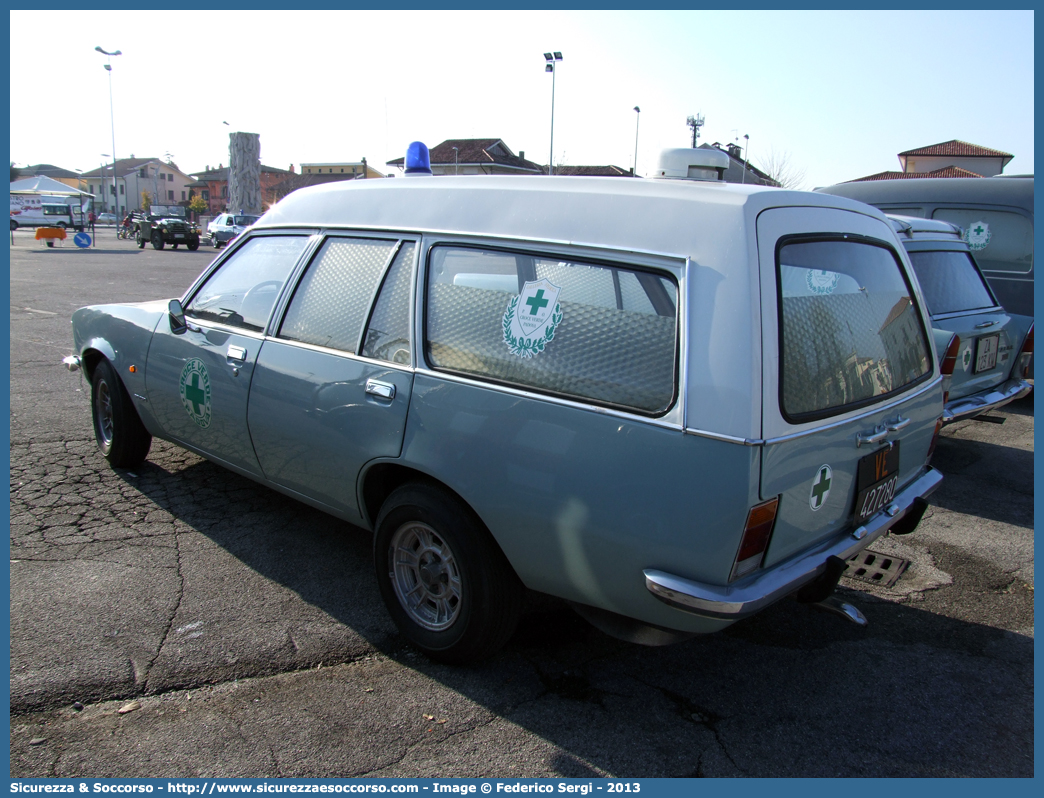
(182,235)
(876,481)
(986,353)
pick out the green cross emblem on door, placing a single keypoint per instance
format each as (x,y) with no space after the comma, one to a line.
(820,487)
(194,386)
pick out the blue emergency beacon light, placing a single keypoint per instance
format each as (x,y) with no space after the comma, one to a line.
(418,161)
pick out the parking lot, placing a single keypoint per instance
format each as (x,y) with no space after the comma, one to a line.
(179,620)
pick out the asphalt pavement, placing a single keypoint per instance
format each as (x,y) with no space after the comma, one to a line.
(178,620)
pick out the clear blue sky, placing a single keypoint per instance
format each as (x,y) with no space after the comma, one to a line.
(839,93)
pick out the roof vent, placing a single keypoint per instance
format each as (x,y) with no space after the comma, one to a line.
(692,164)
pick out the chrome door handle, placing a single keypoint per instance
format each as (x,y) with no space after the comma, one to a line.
(898,424)
(382,390)
(984,325)
(879,433)
(237,353)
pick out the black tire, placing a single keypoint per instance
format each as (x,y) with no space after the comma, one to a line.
(14,225)
(139,240)
(173,246)
(192,245)
(464,598)
(157,240)
(50,243)
(61,225)
(121,436)
(217,244)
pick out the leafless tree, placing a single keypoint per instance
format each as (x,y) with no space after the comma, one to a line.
(780,167)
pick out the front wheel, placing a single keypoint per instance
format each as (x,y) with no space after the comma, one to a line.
(121,436)
(157,241)
(14,225)
(193,245)
(447,585)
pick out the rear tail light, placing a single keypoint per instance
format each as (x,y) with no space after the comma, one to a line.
(935,439)
(1022,362)
(948,362)
(756,534)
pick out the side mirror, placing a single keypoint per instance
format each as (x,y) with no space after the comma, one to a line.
(178,325)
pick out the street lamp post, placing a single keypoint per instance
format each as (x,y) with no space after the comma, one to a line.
(112,123)
(101,182)
(746,156)
(637,116)
(552,60)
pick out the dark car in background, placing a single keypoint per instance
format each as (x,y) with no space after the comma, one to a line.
(994,214)
(166,224)
(992,349)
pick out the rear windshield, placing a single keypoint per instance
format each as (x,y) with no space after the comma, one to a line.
(850,330)
(950,281)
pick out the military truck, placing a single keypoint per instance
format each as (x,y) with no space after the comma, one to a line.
(166,224)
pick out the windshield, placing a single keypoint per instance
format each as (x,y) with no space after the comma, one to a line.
(244,221)
(168,210)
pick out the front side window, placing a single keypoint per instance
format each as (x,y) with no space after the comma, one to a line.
(850,332)
(330,304)
(950,281)
(242,291)
(577,329)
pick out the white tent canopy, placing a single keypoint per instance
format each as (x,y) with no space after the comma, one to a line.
(46,186)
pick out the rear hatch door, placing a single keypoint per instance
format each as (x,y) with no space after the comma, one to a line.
(852,387)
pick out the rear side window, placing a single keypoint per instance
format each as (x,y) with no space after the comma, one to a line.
(591,331)
(1001,241)
(950,281)
(330,304)
(850,331)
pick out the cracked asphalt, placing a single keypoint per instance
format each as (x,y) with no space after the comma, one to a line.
(178,620)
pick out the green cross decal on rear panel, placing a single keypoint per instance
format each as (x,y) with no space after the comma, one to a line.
(820,487)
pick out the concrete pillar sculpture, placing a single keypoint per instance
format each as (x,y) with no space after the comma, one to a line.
(244,173)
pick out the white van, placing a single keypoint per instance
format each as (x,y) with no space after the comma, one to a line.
(34,210)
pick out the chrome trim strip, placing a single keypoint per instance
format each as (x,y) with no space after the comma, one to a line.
(757,591)
(449,235)
(605,411)
(971,406)
(215,325)
(866,414)
(719,436)
(325,350)
(962,313)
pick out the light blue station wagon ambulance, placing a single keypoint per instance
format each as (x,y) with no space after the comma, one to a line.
(670,402)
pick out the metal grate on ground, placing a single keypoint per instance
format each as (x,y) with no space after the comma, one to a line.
(876,568)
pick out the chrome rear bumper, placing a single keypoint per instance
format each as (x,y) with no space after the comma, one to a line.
(977,404)
(753,593)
